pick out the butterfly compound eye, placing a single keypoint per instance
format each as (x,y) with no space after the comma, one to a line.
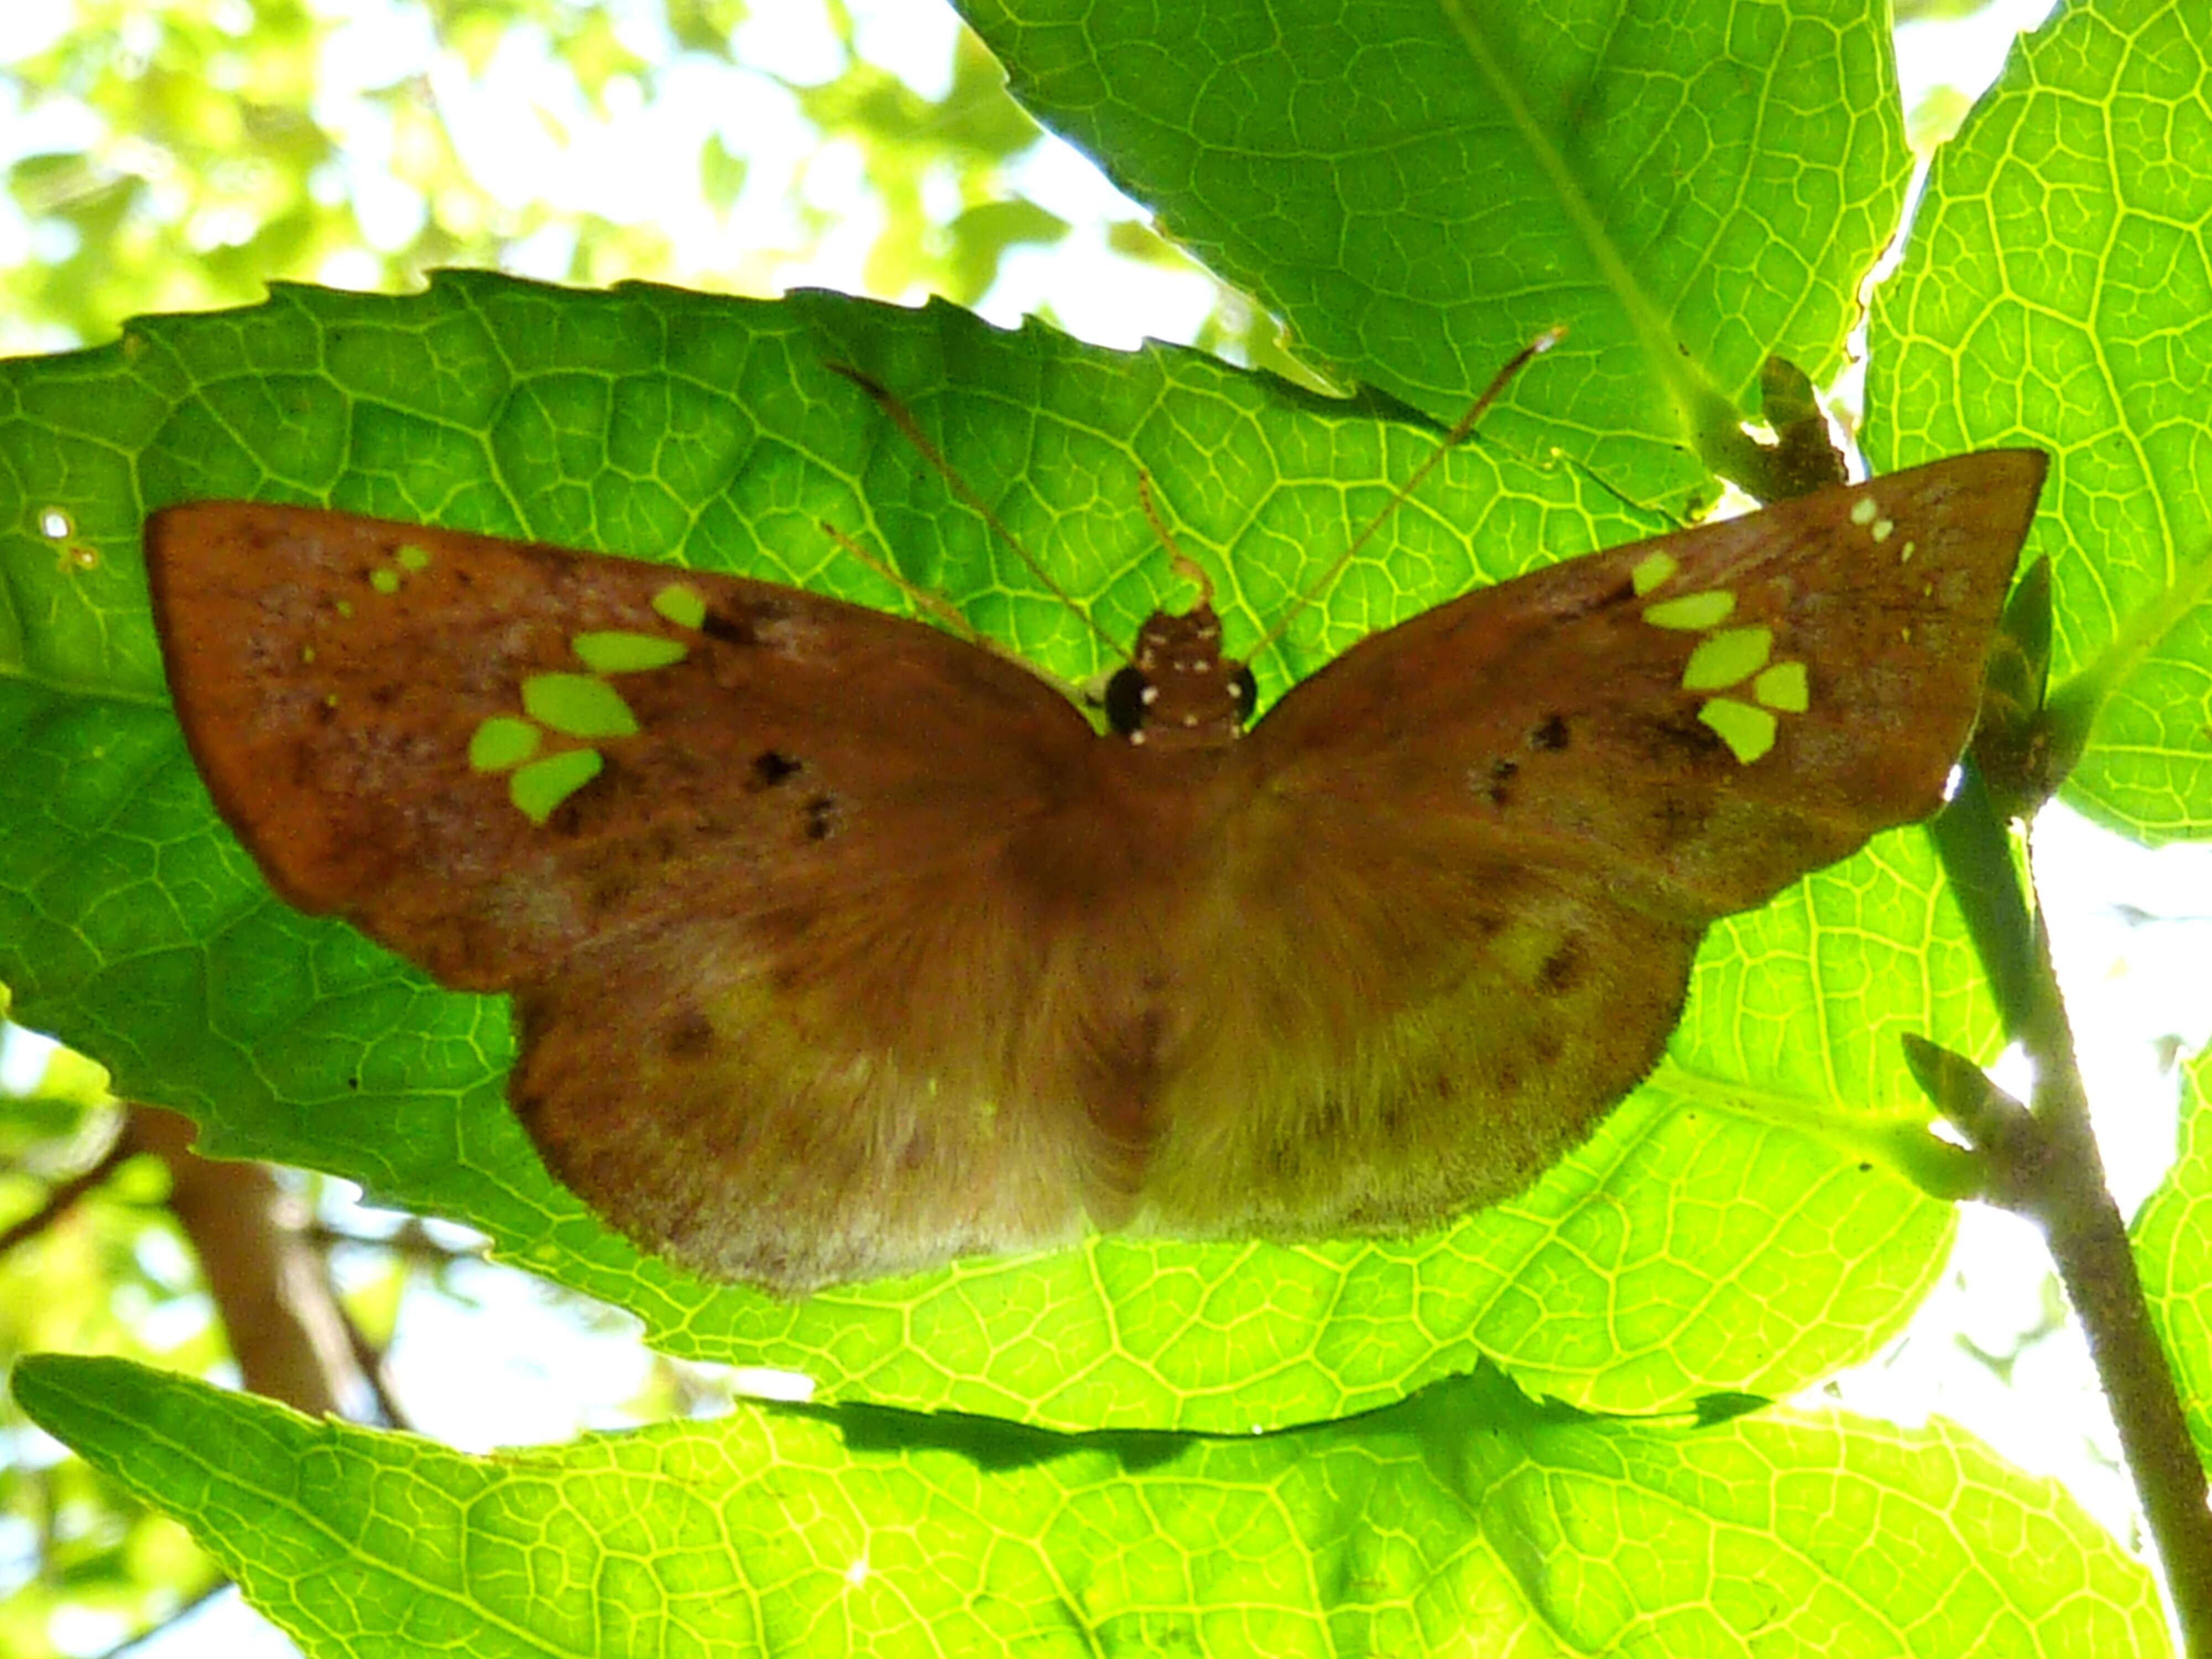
(1246,690)
(1125,700)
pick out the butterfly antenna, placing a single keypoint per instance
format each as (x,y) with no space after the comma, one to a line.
(944,611)
(1178,561)
(898,413)
(1452,440)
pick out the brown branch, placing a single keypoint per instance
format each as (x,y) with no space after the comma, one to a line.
(2043,1164)
(268,1284)
(2065,1189)
(64,1197)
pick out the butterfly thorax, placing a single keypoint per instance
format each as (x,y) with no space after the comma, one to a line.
(1178,692)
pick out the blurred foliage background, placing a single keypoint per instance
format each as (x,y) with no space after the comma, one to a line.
(177,155)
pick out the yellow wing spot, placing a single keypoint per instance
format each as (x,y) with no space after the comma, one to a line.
(501,742)
(329,699)
(344,608)
(578,706)
(384,582)
(538,788)
(1865,511)
(1748,731)
(1783,687)
(1882,528)
(1904,554)
(307,654)
(627,653)
(1692,612)
(1653,570)
(682,604)
(1732,655)
(411,557)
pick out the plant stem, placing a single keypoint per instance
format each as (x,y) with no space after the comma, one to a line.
(2044,1165)
(2068,1194)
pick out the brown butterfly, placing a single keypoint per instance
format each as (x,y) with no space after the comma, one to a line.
(841,947)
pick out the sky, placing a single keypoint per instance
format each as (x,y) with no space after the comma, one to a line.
(2131,924)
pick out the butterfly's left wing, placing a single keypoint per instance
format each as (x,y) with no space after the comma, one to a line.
(1508,822)
(1708,715)
(731,844)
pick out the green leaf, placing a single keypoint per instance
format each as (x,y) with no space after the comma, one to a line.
(1678,1255)
(1465,1519)
(1421,188)
(2058,290)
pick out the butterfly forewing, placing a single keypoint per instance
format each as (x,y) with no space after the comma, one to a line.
(1707,715)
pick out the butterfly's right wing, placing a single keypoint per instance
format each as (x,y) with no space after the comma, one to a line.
(729,843)
(1509,821)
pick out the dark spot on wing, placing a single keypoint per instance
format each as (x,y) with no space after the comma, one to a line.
(1491,785)
(687,1037)
(1683,737)
(1682,815)
(1551,735)
(771,767)
(1547,1048)
(730,630)
(1562,967)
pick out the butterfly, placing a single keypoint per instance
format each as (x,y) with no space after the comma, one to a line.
(841,947)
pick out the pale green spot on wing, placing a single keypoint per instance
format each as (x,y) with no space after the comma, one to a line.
(1748,731)
(1692,612)
(1652,571)
(344,607)
(384,582)
(412,557)
(1865,510)
(307,654)
(681,604)
(1882,527)
(1783,687)
(578,705)
(542,784)
(627,653)
(500,742)
(1727,658)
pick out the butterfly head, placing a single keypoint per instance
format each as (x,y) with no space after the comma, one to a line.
(1177,691)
